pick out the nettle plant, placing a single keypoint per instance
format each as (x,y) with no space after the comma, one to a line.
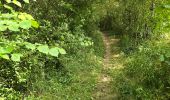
(17,22)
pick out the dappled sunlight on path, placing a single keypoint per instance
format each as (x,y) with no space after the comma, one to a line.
(104,89)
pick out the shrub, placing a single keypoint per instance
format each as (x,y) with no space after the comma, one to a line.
(146,75)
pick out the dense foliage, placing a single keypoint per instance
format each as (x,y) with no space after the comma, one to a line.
(145,40)
(137,20)
(53,49)
(35,35)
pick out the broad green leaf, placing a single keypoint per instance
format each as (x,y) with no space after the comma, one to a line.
(28,16)
(2,50)
(38,44)
(1,98)
(43,49)
(2,22)
(9,49)
(16,57)
(5,56)
(25,24)
(26,1)
(167,54)
(17,3)
(8,7)
(35,24)
(3,28)
(62,51)
(30,46)
(22,17)
(7,15)
(167,6)
(13,28)
(8,1)
(11,23)
(167,62)
(161,58)
(25,16)
(54,51)
(5,50)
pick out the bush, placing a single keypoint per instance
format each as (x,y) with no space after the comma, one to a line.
(98,46)
(146,76)
(75,78)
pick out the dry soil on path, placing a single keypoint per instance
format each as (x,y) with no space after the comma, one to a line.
(104,89)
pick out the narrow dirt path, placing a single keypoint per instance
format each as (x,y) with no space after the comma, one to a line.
(104,89)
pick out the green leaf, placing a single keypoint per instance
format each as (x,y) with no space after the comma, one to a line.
(2,51)
(43,49)
(25,24)
(30,46)
(17,3)
(16,57)
(7,15)
(8,1)
(167,6)
(25,16)
(167,54)
(2,98)
(35,24)
(28,16)
(8,7)
(13,28)
(22,17)
(54,51)
(5,50)
(12,25)
(26,1)
(9,49)
(5,56)
(62,51)
(2,22)
(167,62)
(161,58)
(3,28)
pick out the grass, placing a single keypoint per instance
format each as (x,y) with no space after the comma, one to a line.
(143,75)
(75,80)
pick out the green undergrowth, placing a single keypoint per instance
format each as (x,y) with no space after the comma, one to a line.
(98,43)
(145,73)
(75,79)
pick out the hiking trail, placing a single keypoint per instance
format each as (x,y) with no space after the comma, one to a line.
(104,89)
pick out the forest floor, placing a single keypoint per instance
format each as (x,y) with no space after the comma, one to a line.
(104,90)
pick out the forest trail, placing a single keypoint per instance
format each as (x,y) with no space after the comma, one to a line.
(104,89)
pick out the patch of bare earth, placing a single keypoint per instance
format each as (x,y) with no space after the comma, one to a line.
(104,89)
